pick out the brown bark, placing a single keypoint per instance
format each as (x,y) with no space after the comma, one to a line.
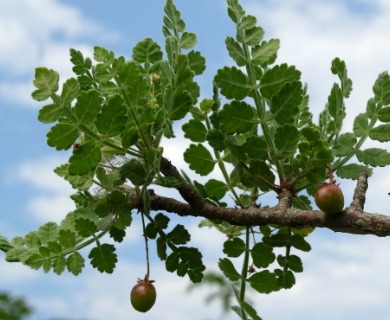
(351,220)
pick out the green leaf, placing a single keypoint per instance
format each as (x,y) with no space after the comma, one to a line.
(179,235)
(263,282)
(248,22)
(293,262)
(382,89)
(380,133)
(67,238)
(147,51)
(252,36)
(286,140)
(62,136)
(285,104)
(384,114)
(75,263)
(235,51)
(80,182)
(216,139)
(81,65)
(188,40)
(85,158)
(235,11)
(112,120)
(160,223)
(195,130)
(265,53)
(5,245)
(352,171)
(339,68)
(262,255)
(215,189)
(237,117)
(70,91)
(101,54)
(161,246)
(360,125)
(256,148)
(250,311)
(234,247)
(49,113)
(285,280)
(172,262)
(196,62)
(103,258)
(59,265)
(199,159)
(46,82)
(133,84)
(88,106)
(276,240)
(374,157)
(54,247)
(299,242)
(336,105)
(48,232)
(134,171)
(172,19)
(344,144)
(85,227)
(180,105)
(276,78)
(227,267)
(233,83)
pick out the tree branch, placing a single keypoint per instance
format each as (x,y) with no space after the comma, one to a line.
(351,220)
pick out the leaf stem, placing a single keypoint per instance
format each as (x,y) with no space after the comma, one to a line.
(244,273)
(146,246)
(357,146)
(260,107)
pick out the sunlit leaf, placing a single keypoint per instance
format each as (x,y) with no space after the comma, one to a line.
(276,78)
(46,82)
(85,158)
(199,159)
(233,83)
(237,117)
(374,157)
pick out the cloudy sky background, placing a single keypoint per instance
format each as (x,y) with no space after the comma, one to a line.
(346,277)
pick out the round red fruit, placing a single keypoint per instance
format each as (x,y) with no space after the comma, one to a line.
(143,295)
(329,198)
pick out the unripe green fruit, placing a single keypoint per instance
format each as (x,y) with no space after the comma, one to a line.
(143,295)
(329,198)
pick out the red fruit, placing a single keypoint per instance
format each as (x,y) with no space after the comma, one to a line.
(329,198)
(143,295)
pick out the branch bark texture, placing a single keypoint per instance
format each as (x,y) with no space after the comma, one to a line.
(352,219)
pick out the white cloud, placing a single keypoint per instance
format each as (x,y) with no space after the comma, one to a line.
(313,33)
(52,202)
(16,273)
(40,33)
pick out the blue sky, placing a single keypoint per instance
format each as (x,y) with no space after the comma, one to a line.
(345,276)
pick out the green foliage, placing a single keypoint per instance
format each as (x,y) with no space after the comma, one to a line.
(13,307)
(257,129)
